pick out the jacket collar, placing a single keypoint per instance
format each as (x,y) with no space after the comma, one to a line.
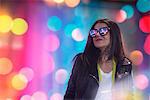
(93,72)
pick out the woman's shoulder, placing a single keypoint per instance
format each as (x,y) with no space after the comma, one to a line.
(81,60)
(78,56)
(126,61)
(124,68)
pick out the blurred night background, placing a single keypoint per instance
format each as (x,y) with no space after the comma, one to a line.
(39,38)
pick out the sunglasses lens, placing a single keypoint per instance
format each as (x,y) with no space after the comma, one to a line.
(93,33)
(103,31)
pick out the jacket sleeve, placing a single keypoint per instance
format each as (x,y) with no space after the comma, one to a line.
(130,85)
(125,78)
(129,79)
(129,73)
(71,88)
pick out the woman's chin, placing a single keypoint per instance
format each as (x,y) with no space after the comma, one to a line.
(100,46)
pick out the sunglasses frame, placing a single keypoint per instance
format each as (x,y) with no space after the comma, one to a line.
(99,31)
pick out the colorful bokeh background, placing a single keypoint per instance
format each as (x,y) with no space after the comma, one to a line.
(39,38)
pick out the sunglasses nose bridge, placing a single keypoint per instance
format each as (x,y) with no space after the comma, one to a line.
(97,33)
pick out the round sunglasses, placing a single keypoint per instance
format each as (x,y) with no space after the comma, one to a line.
(102,31)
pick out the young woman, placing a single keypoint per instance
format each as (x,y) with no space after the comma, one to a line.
(102,66)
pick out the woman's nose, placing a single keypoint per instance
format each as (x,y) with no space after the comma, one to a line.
(97,34)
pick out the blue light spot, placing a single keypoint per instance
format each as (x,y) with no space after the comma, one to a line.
(143,5)
(69,28)
(129,10)
(54,23)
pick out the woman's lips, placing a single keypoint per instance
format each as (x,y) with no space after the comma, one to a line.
(99,39)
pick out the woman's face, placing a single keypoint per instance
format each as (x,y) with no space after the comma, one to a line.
(101,41)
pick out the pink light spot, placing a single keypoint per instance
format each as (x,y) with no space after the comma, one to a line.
(26,97)
(27,72)
(39,96)
(51,43)
(144,24)
(141,81)
(61,76)
(121,16)
(147,45)
(48,64)
(56,96)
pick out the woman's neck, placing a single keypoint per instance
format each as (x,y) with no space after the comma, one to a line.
(106,65)
(104,55)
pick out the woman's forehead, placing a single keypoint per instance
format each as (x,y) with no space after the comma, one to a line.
(99,25)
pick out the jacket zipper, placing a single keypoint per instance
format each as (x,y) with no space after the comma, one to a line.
(94,78)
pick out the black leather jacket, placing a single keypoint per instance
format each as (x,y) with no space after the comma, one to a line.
(84,81)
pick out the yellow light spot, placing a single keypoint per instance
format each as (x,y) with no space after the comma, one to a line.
(5,23)
(72,3)
(19,27)
(19,82)
(138,96)
(59,1)
(5,66)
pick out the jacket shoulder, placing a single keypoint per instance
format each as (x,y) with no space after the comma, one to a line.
(126,61)
(78,57)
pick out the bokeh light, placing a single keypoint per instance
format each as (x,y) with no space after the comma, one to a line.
(69,28)
(26,97)
(121,16)
(144,24)
(20,26)
(59,1)
(138,96)
(129,10)
(51,43)
(19,82)
(39,95)
(48,64)
(137,57)
(80,11)
(6,66)
(6,89)
(143,5)
(5,23)
(77,35)
(56,96)
(61,76)
(27,72)
(147,45)
(72,3)
(17,43)
(9,99)
(4,43)
(86,1)
(54,23)
(141,81)
(56,31)
(118,96)
(50,2)
(129,96)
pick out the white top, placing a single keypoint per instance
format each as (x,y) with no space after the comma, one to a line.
(105,87)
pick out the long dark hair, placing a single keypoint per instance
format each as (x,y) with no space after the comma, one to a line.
(91,54)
